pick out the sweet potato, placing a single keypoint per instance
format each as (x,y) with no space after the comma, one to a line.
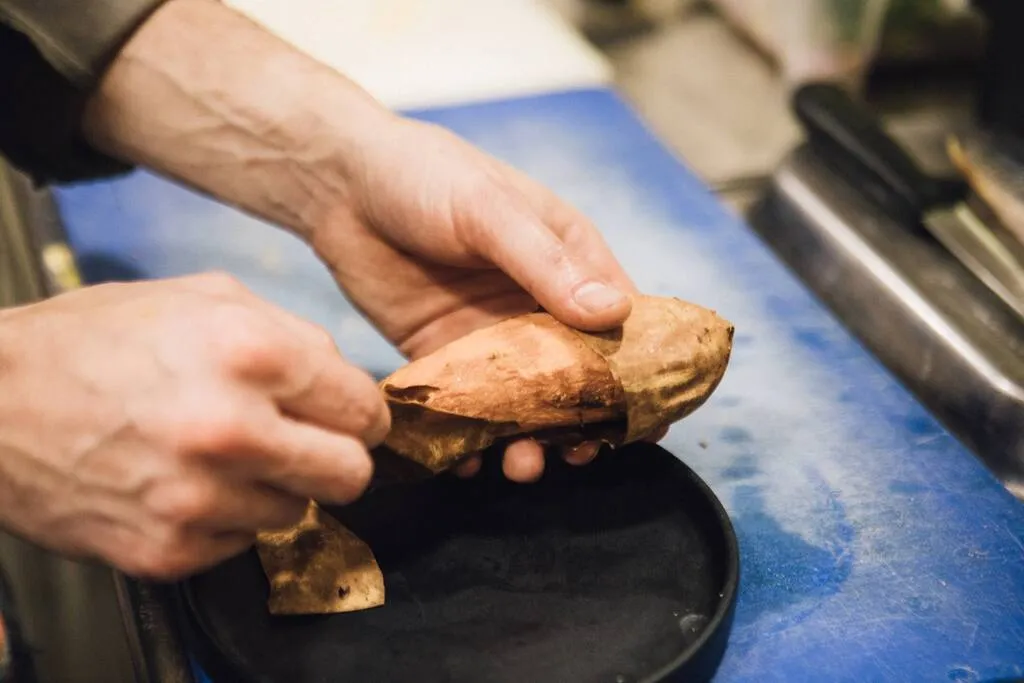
(532,376)
(528,376)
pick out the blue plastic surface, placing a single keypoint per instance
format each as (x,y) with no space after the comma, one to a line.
(874,546)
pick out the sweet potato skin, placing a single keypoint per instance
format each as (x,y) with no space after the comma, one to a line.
(531,375)
(319,567)
(525,376)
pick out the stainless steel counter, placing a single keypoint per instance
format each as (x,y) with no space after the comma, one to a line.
(935,326)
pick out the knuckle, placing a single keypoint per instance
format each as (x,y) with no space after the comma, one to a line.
(254,356)
(240,336)
(573,229)
(219,282)
(372,419)
(183,503)
(158,561)
(209,427)
(484,189)
(322,339)
(362,410)
(475,203)
(304,371)
(557,258)
(140,563)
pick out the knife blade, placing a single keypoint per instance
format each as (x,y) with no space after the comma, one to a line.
(853,138)
(973,241)
(992,163)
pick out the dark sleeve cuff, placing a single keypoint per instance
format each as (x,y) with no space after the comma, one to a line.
(54,52)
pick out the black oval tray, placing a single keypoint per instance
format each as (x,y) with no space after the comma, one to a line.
(622,571)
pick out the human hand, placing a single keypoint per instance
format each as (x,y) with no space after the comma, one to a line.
(438,239)
(428,236)
(158,426)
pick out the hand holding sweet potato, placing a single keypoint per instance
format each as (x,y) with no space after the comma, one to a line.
(529,376)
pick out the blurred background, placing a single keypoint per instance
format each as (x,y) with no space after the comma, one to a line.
(713,77)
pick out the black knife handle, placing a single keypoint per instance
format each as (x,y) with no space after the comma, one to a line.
(852,136)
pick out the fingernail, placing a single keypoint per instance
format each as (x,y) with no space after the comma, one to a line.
(582,454)
(597,297)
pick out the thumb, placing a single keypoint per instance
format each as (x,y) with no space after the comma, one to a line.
(565,283)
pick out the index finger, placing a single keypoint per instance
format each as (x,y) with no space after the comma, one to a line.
(340,397)
(303,459)
(308,378)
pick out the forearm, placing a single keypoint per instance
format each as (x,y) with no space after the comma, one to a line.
(202,94)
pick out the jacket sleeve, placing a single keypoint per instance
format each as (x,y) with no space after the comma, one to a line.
(52,55)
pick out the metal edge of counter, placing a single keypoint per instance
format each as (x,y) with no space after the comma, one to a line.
(20,277)
(909,302)
(43,265)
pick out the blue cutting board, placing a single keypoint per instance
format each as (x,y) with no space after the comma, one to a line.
(874,546)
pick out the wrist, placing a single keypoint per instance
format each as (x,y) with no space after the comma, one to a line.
(204,95)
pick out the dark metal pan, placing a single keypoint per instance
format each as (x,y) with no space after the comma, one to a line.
(623,571)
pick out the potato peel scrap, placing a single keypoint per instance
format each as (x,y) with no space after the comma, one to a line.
(319,567)
(528,376)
